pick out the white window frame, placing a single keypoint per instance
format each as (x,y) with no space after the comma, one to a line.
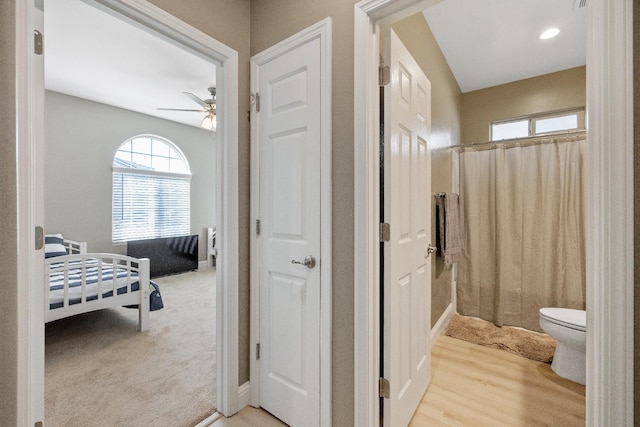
(534,118)
(161,231)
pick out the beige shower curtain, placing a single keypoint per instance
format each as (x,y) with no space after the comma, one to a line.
(522,209)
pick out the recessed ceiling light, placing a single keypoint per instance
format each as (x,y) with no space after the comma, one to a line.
(550,33)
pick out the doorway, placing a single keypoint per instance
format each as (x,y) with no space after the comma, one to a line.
(161,23)
(92,102)
(603,295)
(291,241)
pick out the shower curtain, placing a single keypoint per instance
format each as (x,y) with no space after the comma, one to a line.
(522,209)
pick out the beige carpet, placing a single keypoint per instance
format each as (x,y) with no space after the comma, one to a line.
(529,344)
(100,371)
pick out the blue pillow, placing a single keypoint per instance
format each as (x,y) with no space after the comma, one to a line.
(54,245)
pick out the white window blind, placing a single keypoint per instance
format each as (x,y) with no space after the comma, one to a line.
(148,203)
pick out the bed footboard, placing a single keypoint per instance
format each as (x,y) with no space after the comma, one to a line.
(81,283)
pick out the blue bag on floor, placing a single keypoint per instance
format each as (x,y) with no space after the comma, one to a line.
(155,299)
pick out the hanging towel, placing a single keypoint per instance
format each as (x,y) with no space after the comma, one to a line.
(452,247)
(440,223)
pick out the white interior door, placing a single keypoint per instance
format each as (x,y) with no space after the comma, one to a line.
(289,137)
(407,208)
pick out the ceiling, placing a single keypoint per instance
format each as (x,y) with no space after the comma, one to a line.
(492,42)
(91,54)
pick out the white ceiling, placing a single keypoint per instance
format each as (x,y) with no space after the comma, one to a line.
(492,42)
(93,55)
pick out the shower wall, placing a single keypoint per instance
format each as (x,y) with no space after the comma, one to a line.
(551,92)
(445,131)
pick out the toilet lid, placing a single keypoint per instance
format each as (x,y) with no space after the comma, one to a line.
(568,317)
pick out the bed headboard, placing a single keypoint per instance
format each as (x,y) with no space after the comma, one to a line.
(74,247)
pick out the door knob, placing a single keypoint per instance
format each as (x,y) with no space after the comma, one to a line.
(308,262)
(430,250)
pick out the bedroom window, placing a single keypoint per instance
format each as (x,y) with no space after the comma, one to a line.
(538,125)
(151,190)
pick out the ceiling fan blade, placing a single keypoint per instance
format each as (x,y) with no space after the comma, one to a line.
(196,99)
(181,109)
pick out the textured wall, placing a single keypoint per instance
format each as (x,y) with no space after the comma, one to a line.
(8,213)
(81,138)
(555,91)
(272,22)
(446,106)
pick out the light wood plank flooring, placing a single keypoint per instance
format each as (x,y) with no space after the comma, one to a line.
(474,386)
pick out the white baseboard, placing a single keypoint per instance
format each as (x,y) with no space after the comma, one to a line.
(203,264)
(209,420)
(244,395)
(440,326)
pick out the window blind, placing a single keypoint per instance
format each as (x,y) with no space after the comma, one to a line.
(147,206)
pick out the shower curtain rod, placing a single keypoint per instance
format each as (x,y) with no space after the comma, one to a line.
(524,142)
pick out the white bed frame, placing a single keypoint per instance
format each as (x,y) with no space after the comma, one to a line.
(78,251)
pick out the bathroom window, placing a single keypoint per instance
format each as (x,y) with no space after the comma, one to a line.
(538,125)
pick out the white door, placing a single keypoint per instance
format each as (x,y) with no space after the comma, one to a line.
(289,134)
(407,208)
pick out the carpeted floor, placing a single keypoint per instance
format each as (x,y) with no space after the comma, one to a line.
(100,371)
(529,344)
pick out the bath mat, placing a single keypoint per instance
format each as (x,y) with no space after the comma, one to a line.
(529,344)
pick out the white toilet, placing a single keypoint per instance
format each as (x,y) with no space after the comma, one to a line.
(568,327)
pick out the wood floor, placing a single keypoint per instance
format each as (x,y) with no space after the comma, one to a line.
(474,386)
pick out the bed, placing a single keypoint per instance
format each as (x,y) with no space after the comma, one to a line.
(80,282)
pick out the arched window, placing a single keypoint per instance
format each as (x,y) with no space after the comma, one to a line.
(151,190)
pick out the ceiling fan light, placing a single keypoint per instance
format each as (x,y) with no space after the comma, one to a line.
(209,122)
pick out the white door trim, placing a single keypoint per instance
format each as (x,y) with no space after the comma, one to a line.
(30,316)
(322,31)
(609,213)
(609,208)
(227,330)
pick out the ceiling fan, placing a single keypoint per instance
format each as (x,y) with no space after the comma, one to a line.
(208,106)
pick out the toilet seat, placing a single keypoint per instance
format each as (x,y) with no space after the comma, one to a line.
(567,317)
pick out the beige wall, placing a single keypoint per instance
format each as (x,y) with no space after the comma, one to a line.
(272,22)
(551,92)
(446,106)
(8,211)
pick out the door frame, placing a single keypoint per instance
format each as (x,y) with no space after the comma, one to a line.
(609,218)
(321,31)
(31,352)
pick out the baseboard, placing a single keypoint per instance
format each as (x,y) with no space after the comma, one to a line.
(202,265)
(441,325)
(209,420)
(244,395)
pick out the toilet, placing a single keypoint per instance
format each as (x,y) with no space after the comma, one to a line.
(568,327)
